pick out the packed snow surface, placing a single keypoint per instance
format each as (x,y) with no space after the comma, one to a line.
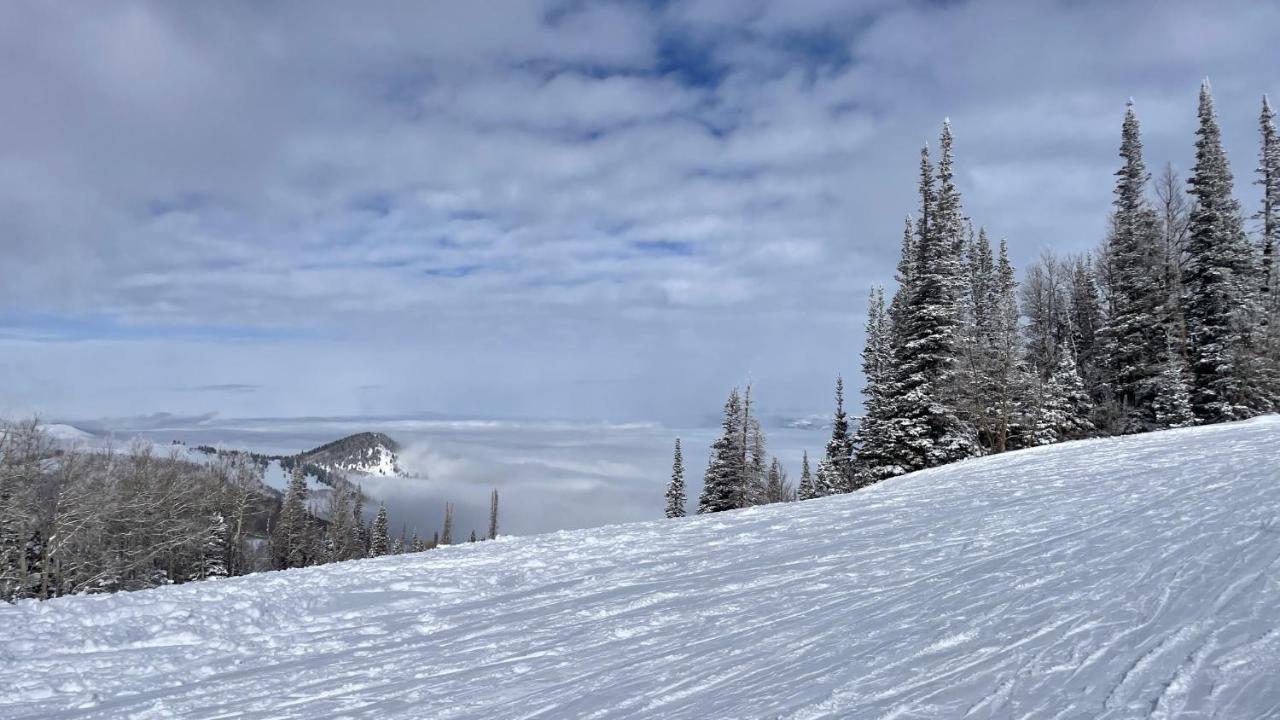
(1121,578)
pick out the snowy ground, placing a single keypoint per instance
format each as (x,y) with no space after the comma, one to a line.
(1117,578)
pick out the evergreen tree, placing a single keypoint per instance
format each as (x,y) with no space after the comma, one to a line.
(290,542)
(1133,334)
(213,561)
(723,482)
(876,359)
(1010,381)
(359,541)
(473,535)
(379,537)
(775,488)
(808,489)
(1269,179)
(1173,396)
(493,515)
(754,444)
(446,532)
(1086,318)
(1269,285)
(835,470)
(675,488)
(924,430)
(341,535)
(1065,408)
(1222,285)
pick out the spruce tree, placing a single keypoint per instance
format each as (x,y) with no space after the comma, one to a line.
(1269,214)
(379,538)
(724,481)
(1009,382)
(1172,405)
(359,541)
(290,541)
(754,455)
(775,487)
(446,532)
(1269,283)
(835,470)
(493,515)
(1064,410)
(924,429)
(876,359)
(213,561)
(675,488)
(1222,285)
(807,489)
(1133,333)
(1086,318)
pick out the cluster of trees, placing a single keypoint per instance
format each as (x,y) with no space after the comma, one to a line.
(740,472)
(302,537)
(94,521)
(1174,321)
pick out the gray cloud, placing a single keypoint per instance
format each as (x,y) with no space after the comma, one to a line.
(606,209)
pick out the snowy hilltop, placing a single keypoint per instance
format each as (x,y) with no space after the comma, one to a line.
(366,453)
(1113,578)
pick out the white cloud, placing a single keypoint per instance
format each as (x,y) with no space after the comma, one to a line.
(488,205)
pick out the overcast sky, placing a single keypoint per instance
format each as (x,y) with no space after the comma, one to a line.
(610,210)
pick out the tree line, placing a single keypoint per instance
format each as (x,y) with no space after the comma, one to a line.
(1173,321)
(95,521)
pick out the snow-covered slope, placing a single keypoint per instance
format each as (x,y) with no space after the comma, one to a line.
(1122,578)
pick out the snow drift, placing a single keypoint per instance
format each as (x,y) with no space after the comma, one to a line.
(1116,578)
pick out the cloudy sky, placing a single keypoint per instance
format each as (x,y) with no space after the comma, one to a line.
(609,210)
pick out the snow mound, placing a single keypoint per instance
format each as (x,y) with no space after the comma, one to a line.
(1118,578)
(66,433)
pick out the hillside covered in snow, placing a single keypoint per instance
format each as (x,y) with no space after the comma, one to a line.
(1115,578)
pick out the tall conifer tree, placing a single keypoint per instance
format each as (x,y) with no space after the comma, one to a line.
(1222,285)
(675,489)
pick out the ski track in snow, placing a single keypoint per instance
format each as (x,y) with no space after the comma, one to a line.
(1117,578)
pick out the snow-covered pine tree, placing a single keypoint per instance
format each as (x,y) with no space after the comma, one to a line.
(878,452)
(1172,404)
(1133,332)
(1064,410)
(1222,286)
(446,532)
(1269,214)
(213,559)
(876,356)
(807,490)
(756,467)
(775,487)
(675,488)
(724,481)
(379,537)
(1085,315)
(493,515)
(1009,383)
(339,531)
(359,541)
(835,470)
(976,348)
(924,430)
(1269,244)
(290,542)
